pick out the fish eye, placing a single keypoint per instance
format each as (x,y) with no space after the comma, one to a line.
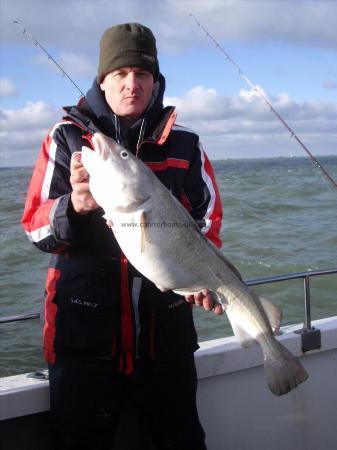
(124,154)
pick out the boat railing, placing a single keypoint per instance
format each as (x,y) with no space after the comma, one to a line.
(311,338)
(20,317)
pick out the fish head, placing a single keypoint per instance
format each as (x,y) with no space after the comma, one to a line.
(117,179)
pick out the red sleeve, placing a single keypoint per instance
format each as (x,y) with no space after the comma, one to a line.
(213,215)
(201,196)
(45,214)
(35,219)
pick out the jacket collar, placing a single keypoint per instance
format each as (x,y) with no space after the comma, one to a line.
(93,114)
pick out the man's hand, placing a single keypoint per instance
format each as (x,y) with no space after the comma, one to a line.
(204,298)
(81,198)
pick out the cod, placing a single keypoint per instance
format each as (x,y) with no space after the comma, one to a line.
(163,242)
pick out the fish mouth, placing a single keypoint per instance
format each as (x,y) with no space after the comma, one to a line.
(133,206)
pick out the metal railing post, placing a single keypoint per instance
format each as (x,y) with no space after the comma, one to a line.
(310,336)
(307,306)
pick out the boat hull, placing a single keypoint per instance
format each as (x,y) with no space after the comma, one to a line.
(236,408)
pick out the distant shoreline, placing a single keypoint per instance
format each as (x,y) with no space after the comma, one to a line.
(216,159)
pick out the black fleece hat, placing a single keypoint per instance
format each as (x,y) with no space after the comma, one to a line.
(127,45)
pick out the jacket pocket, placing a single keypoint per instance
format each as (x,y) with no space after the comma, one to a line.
(170,331)
(88,309)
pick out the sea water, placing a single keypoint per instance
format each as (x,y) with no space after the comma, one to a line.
(280,216)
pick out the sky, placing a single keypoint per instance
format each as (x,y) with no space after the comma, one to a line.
(287,49)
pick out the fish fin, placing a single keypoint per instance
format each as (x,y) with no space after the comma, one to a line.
(142,224)
(283,373)
(139,222)
(185,291)
(136,222)
(274,314)
(162,289)
(109,222)
(243,337)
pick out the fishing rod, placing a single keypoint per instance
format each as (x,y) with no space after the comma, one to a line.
(37,43)
(314,160)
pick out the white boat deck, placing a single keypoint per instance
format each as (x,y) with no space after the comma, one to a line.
(240,413)
(236,407)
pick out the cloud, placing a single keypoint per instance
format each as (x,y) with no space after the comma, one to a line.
(244,123)
(74,64)
(7,88)
(329,84)
(301,22)
(230,126)
(33,114)
(22,131)
(78,65)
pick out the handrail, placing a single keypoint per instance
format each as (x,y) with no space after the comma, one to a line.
(254,282)
(289,276)
(20,317)
(293,276)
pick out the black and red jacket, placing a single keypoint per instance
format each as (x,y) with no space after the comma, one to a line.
(97,305)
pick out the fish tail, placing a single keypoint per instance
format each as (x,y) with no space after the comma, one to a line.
(283,372)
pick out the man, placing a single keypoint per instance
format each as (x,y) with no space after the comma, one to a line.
(110,335)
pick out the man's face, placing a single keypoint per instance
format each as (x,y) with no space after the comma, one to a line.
(128,91)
